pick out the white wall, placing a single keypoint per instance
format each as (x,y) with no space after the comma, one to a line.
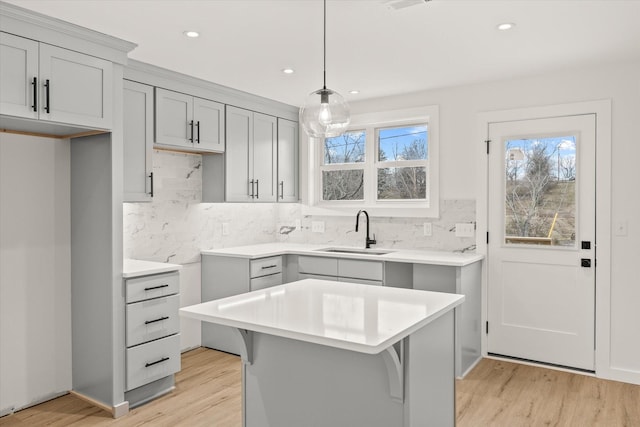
(459,137)
(35,289)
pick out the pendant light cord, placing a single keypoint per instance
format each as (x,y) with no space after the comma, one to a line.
(324,48)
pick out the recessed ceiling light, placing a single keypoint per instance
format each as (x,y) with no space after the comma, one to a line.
(354,92)
(288,70)
(191,34)
(506,26)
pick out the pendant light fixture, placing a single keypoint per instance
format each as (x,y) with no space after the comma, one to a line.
(325,113)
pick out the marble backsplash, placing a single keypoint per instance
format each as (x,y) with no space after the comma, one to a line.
(176,226)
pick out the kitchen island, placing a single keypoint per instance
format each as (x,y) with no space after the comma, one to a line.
(326,353)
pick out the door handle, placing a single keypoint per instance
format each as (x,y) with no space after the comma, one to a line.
(585,262)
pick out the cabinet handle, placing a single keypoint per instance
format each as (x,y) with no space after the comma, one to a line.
(282,189)
(198,131)
(35,94)
(164,359)
(156,320)
(251,184)
(151,177)
(47,99)
(191,124)
(257,188)
(266,267)
(156,287)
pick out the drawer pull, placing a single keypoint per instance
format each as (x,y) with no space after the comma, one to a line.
(156,287)
(164,359)
(266,267)
(156,320)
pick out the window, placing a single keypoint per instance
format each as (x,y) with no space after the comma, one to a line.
(387,163)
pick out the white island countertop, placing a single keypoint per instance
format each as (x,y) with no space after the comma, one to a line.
(414,256)
(136,267)
(362,318)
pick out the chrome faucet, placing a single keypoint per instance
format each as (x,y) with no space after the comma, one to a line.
(368,241)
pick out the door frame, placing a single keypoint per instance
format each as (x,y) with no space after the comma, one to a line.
(602,110)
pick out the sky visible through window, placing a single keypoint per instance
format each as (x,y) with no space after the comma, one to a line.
(403,143)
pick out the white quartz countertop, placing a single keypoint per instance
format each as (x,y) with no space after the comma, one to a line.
(136,268)
(362,318)
(397,255)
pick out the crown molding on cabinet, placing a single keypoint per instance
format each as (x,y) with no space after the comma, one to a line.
(153,75)
(26,23)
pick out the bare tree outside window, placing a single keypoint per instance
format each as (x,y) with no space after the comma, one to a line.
(345,183)
(398,146)
(540,191)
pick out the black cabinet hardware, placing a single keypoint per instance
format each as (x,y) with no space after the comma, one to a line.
(586,244)
(585,262)
(198,131)
(151,177)
(266,267)
(35,94)
(164,359)
(257,188)
(156,320)
(191,125)
(47,98)
(282,189)
(156,287)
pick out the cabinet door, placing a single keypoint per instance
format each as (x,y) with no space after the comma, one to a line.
(138,141)
(76,88)
(18,76)
(209,125)
(287,161)
(174,118)
(239,136)
(264,157)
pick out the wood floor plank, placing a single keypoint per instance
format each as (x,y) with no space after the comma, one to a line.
(495,394)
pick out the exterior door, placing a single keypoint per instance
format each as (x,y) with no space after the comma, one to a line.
(541,241)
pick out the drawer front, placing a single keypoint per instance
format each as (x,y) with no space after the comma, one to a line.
(152,361)
(152,319)
(266,281)
(357,269)
(361,281)
(154,286)
(265,266)
(318,265)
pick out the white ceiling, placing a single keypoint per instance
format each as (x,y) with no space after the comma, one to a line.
(371,47)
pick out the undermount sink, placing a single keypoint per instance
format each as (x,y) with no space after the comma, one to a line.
(355,251)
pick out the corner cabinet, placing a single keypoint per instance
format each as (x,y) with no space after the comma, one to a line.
(287,161)
(188,122)
(138,142)
(48,83)
(251,156)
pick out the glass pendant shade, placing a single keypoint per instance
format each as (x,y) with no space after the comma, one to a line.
(325,114)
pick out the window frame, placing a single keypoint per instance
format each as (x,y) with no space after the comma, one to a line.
(370,122)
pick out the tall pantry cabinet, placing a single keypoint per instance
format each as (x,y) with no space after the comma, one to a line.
(74,90)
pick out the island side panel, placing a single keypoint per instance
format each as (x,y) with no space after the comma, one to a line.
(470,328)
(430,375)
(293,383)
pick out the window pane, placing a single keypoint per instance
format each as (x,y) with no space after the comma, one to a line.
(346,148)
(404,143)
(343,185)
(402,183)
(540,191)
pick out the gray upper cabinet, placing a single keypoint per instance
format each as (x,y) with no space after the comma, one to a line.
(187,122)
(251,156)
(48,83)
(138,142)
(287,161)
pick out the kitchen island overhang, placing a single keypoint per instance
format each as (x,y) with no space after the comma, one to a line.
(321,353)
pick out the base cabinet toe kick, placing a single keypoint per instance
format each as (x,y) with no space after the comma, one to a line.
(313,367)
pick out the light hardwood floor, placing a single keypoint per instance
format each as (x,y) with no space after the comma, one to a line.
(495,393)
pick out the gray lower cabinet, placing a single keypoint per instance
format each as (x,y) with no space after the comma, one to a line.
(152,335)
(227,276)
(138,142)
(49,83)
(341,269)
(188,122)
